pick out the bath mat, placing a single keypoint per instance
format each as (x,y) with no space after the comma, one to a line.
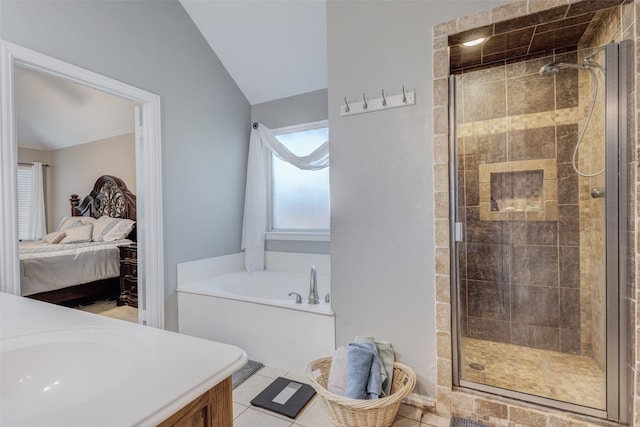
(284,396)
(245,372)
(461,422)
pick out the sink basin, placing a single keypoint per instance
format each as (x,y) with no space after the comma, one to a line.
(47,372)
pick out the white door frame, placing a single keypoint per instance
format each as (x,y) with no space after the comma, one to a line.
(148,173)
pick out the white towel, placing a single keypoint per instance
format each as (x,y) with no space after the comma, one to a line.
(337,382)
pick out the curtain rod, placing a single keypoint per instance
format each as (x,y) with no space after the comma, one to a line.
(31,164)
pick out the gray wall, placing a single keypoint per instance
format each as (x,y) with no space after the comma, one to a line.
(382,240)
(30,155)
(294,110)
(74,170)
(155,46)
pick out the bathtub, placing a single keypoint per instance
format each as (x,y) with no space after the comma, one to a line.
(218,300)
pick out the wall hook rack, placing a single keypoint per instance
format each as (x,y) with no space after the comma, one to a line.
(385,102)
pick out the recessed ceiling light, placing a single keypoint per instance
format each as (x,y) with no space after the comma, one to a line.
(474,42)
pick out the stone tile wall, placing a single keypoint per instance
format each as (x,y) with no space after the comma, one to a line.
(592,211)
(519,264)
(478,406)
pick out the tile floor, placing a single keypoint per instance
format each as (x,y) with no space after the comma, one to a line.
(560,376)
(314,415)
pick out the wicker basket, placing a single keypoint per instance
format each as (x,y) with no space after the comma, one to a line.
(345,412)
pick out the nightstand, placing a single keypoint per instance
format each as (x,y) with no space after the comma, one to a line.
(128,275)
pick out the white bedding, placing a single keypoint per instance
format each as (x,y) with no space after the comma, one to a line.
(46,267)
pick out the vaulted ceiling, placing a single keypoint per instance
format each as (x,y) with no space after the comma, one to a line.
(272,48)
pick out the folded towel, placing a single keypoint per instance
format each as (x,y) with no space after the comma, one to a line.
(386,356)
(337,382)
(363,371)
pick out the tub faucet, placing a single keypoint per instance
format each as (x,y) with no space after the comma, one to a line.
(298,297)
(313,287)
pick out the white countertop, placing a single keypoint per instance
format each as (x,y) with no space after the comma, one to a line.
(148,374)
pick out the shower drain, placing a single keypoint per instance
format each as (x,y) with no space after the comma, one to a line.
(476,366)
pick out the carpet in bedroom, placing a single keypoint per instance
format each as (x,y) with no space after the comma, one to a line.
(109,308)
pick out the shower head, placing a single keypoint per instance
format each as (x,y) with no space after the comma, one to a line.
(554,67)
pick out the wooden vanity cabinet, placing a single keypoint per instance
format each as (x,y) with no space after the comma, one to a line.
(213,408)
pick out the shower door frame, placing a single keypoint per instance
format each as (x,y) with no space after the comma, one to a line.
(618,72)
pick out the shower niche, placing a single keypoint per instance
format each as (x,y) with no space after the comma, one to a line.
(519,191)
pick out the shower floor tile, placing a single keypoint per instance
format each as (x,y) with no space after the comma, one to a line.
(559,376)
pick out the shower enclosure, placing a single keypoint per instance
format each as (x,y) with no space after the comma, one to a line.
(538,202)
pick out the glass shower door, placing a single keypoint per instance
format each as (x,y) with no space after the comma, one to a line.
(530,211)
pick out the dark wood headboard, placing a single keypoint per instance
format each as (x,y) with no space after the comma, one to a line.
(110,196)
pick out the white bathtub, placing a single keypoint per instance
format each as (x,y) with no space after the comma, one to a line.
(218,300)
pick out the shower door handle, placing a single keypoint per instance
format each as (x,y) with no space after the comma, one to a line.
(457,232)
(597,193)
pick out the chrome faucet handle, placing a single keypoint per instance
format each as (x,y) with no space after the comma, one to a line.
(327,297)
(298,297)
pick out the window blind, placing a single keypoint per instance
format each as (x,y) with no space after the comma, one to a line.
(25,185)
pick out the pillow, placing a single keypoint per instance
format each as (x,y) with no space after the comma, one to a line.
(75,221)
(55,237)
(78,234)
(62,223)
(102,226)
(69,222)
(120,231)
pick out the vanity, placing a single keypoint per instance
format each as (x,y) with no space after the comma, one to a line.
(63,367)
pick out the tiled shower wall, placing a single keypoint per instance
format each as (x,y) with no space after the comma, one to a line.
(592,210)
(520,279)
(494,410)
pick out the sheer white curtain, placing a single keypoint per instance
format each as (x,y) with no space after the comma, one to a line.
(37,219)
(261,143)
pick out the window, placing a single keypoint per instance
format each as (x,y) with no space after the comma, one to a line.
(25,184)
(299,198)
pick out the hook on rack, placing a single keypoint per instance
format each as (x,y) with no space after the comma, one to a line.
(384,102)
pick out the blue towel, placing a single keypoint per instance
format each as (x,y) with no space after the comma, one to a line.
(386,356)
(363,371)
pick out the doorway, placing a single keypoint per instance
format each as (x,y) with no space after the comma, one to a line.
(148,173)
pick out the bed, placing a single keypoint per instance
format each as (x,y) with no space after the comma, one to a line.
(81,258)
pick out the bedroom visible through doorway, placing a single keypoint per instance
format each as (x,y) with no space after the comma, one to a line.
(78,134)
(145,114)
